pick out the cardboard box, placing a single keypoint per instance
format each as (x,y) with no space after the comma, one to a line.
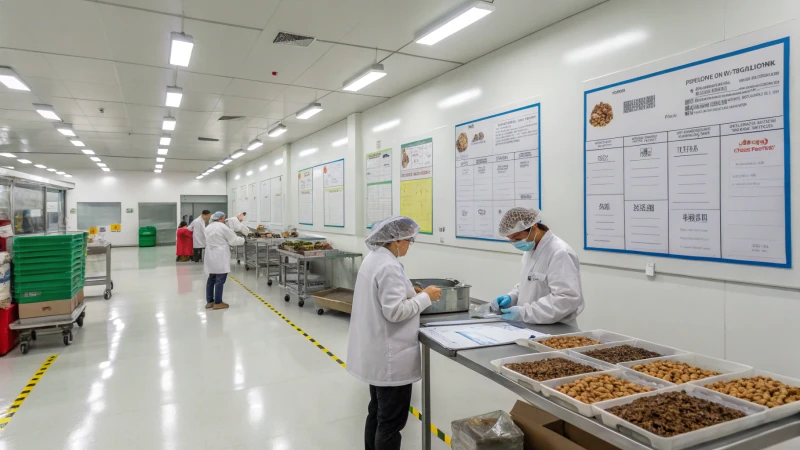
(544,431)
(51,308)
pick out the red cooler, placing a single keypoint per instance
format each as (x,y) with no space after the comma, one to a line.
(3,232)
(8,337)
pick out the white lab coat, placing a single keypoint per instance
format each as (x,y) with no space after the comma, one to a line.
(237,226)
(219,239)
(550,289)
(198,227)
(382,347)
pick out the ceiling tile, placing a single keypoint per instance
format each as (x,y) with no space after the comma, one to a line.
(144,85)
(219,49)
(279,110)
(288,61)
(110,109)
(46,88)
(240,105)
(337,66)
(83,69)
(94,91)
(329,20)
(209,84)
(26,64)
(18,100)
(198,101)
(191,120)
(249,13)
(107,122)
(254,89)
(65,106)
(142,112)
(139,36)
(78,121)
(17,114)
(297,94)
(166,6)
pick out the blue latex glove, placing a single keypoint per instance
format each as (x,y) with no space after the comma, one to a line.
(511,314)
(500,302)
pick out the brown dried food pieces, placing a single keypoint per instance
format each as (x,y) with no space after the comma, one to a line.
(674,371)
(562,342)
(602,115)
(548,369)
(622,353)
(478,137)
(674,413)
(404,160)
(593,389)
(462,142)
(762,390)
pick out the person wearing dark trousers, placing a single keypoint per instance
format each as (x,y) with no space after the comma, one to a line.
(214,285)
(387,414)
(217,260)
(198,229)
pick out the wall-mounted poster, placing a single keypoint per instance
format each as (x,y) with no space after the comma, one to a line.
(416,183)
(379,186)
(305,196)
(333,193)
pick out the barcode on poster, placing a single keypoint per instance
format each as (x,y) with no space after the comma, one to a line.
(639,104)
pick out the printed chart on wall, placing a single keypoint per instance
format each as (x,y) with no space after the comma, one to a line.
(693,161)
(379,186)
(305,196)
(333,193)
(497,168)
(276,190)
(416,183)
(265,202)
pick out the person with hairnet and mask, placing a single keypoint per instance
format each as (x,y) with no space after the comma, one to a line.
(217,258)
(550,287)
(382,347)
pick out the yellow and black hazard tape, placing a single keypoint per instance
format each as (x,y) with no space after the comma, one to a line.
(8,414)
(434,429)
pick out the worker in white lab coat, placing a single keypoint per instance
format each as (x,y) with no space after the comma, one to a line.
(382,348)
(217,260)
(550,287)
(237,224)
(197,227)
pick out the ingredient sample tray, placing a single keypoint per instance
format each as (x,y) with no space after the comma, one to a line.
(530,383)
(636,343)
(753,417)
(693,359)
(772,414)
(602,336)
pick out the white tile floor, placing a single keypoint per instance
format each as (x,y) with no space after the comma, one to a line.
(153,369)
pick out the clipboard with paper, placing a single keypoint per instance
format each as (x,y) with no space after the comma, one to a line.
(464,336)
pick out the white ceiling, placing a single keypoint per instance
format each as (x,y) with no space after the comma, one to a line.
(82,56)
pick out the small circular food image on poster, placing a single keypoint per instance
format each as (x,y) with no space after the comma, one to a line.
(462,142)
(602,115)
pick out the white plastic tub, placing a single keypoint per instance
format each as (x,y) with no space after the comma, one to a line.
(693,359)
(598,335)
(530,383)
(755,416)
(638,343)
(772,414)
(549,388)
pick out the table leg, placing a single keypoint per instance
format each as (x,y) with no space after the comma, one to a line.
(426,397)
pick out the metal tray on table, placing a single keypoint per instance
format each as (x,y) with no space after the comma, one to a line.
(337,299)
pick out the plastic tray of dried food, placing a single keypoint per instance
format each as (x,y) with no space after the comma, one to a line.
(772,414)
(530,383)
(693,359)
(586,409)
(598,335)
(638,343)
(755,417)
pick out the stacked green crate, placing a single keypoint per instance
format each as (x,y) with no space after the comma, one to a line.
(48,267)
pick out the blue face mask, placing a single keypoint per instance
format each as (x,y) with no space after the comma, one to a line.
(524,245)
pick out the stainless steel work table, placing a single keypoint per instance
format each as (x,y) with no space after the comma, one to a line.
(479,360)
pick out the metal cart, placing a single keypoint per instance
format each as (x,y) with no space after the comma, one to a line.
(262,255)
(47,325)
(102,280)
(296,276)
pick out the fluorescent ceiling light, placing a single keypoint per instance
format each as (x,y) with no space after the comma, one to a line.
(277,130)
(106,169)
(181,49)
(66,175)
(309,111)
(77,142)
(40,166)
(12,80)
(65,129)
(254,144)
(52,170)
(458,99)
(605,46)
(23,161)
(59,173)
(159,166)
(7,155)
(199,177)
(227,161)
(46,111)
(340,142)
(95,159)
(279,161)
(458,21)
(249,172)
(169,123)
(211,170)
(218,166)
(262,168)
(86,151)
(308,152)
(8,167)
(386,125)
(101,165)
(207,172)
(374,73)
(236,177)
(163,151)
(174,96)
(161,159)
(237,155)
(157,171)
(165,140)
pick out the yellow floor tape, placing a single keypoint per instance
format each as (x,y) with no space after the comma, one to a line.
(8,414)
(434,429)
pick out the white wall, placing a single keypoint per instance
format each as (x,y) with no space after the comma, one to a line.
(129,188)
(263,168)
(719,318)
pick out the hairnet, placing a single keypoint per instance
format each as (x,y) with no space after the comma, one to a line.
(518,219)
(217,215)
(397,228)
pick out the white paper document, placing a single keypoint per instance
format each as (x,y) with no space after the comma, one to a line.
(461,337)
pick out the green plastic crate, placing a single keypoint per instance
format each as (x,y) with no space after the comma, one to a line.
(48,276)
(44,256)
(48,268)
(69,283)
(45,295)
(24,242)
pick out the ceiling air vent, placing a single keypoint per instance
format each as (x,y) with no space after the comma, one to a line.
(230,117)
(201,138)
(293,39)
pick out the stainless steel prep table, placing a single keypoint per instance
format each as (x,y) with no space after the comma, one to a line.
(479,360)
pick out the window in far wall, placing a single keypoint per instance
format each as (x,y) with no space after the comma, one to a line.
(96,214)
